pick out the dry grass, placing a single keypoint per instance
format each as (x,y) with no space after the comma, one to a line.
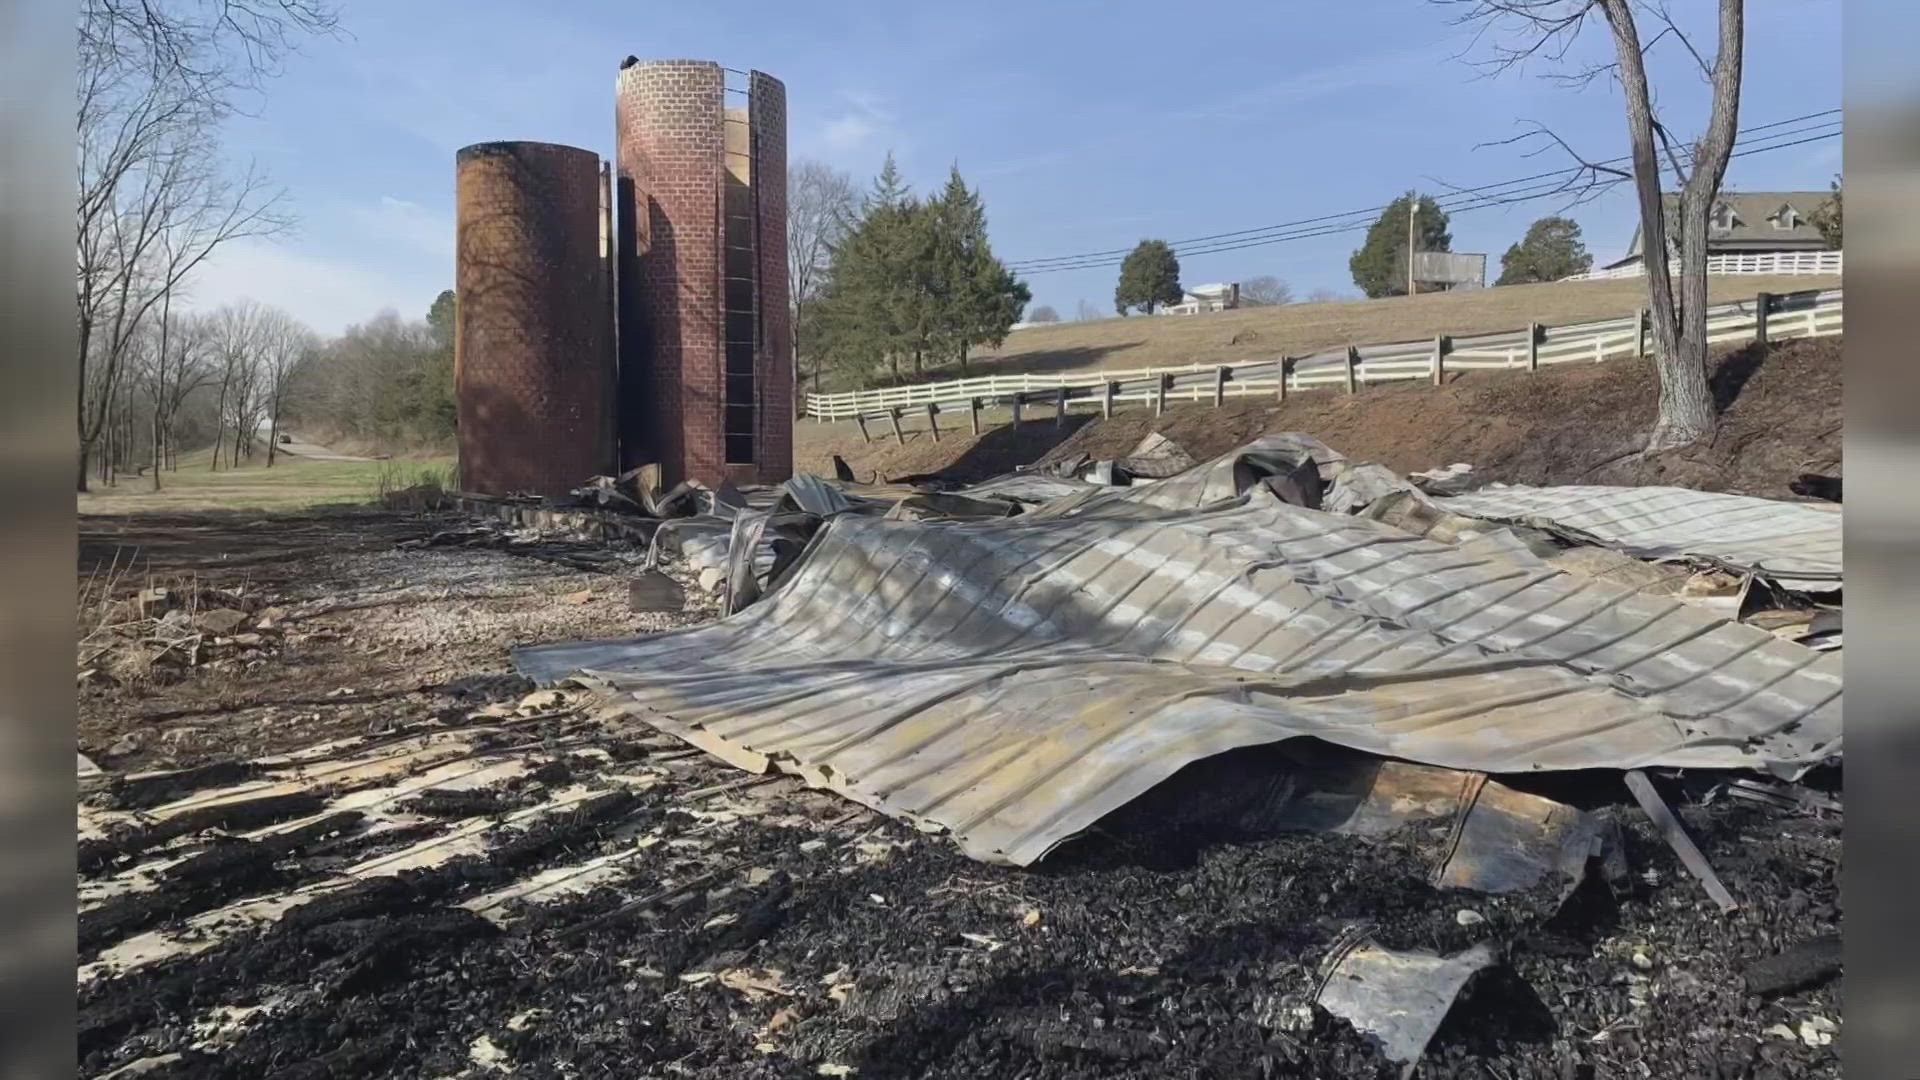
(292,484)
(1298,329)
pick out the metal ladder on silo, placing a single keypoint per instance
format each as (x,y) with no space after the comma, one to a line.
(742,332)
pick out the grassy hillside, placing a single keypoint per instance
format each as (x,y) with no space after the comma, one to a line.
(1295,329)
(1573,423)
(293,483)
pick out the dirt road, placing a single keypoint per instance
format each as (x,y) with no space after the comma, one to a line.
(292,443)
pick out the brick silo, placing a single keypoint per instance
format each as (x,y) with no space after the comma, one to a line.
(533,339)
(705,372)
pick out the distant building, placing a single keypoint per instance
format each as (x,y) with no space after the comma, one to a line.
(1205,298)
(1747,223)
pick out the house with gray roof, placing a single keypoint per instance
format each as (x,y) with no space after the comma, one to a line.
(1748,223)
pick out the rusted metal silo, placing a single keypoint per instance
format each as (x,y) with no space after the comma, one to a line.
(533,342)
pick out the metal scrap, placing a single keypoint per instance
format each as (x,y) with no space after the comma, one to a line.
(1398,998)
(1444,480)
(1014,680)
(1156,457)
(1500,840)
(1676,837)
(1797,545)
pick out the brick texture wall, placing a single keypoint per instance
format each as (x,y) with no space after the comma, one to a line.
(669,152)
(671,163)
(767,110)
(533,337)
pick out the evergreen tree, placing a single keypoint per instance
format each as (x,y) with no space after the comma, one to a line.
(1551,250)
(440,319)
(870,308)
(972,297)
(1149,277)
(914,282)
(1380,265)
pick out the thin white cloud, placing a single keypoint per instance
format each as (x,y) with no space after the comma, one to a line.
(1313,84)
(852,131)
(1292,91)
(425,231)
(848,132)
(327,294)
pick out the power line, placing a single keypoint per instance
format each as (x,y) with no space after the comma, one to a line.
(1520,189)
(1562,173)
(1466,199)
(1482,203)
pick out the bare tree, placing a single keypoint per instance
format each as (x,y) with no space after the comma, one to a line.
(1528,30)
(1264,291)
(1085,312)
(285,344)
(821,205)
(1043,314)
(175,367)
(156,80)
(237,333)
(1323,296)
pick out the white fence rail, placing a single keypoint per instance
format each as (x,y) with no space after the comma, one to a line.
(1788,315)
(1766,262)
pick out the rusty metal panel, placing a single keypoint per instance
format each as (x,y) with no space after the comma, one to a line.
(1014,680)
(1796,544)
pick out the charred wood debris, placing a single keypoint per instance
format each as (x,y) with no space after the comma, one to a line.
(542,882)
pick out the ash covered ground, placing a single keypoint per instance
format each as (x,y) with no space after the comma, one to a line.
(765,929)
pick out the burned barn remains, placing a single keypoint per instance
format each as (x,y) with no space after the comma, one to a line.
(1264,763)
(1275,763)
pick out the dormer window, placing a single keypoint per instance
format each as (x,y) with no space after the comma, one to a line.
(1786,218)
(1723,217)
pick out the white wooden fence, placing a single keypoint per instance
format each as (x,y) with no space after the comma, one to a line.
(1786,315)
(1765,262)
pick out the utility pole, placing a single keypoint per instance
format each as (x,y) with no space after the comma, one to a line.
(1413,206)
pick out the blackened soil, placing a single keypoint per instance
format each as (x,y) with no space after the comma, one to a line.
(889,953)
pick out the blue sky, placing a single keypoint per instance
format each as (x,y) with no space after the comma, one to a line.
(1086,125)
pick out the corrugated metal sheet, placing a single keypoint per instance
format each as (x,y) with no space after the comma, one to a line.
(1027,487)
(1015,680)
(1795,544)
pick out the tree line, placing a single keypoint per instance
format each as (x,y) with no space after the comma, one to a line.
(156,82)
(229,380)
(386,382)
(158,197)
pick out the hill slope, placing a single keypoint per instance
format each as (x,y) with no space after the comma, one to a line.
(1781,415)
(1296,329)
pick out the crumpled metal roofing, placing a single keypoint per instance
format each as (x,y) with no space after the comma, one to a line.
(1013,681)
(1795,544)
(1026,487)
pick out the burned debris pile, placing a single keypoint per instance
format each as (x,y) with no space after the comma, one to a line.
(170,626)
(1272,764)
